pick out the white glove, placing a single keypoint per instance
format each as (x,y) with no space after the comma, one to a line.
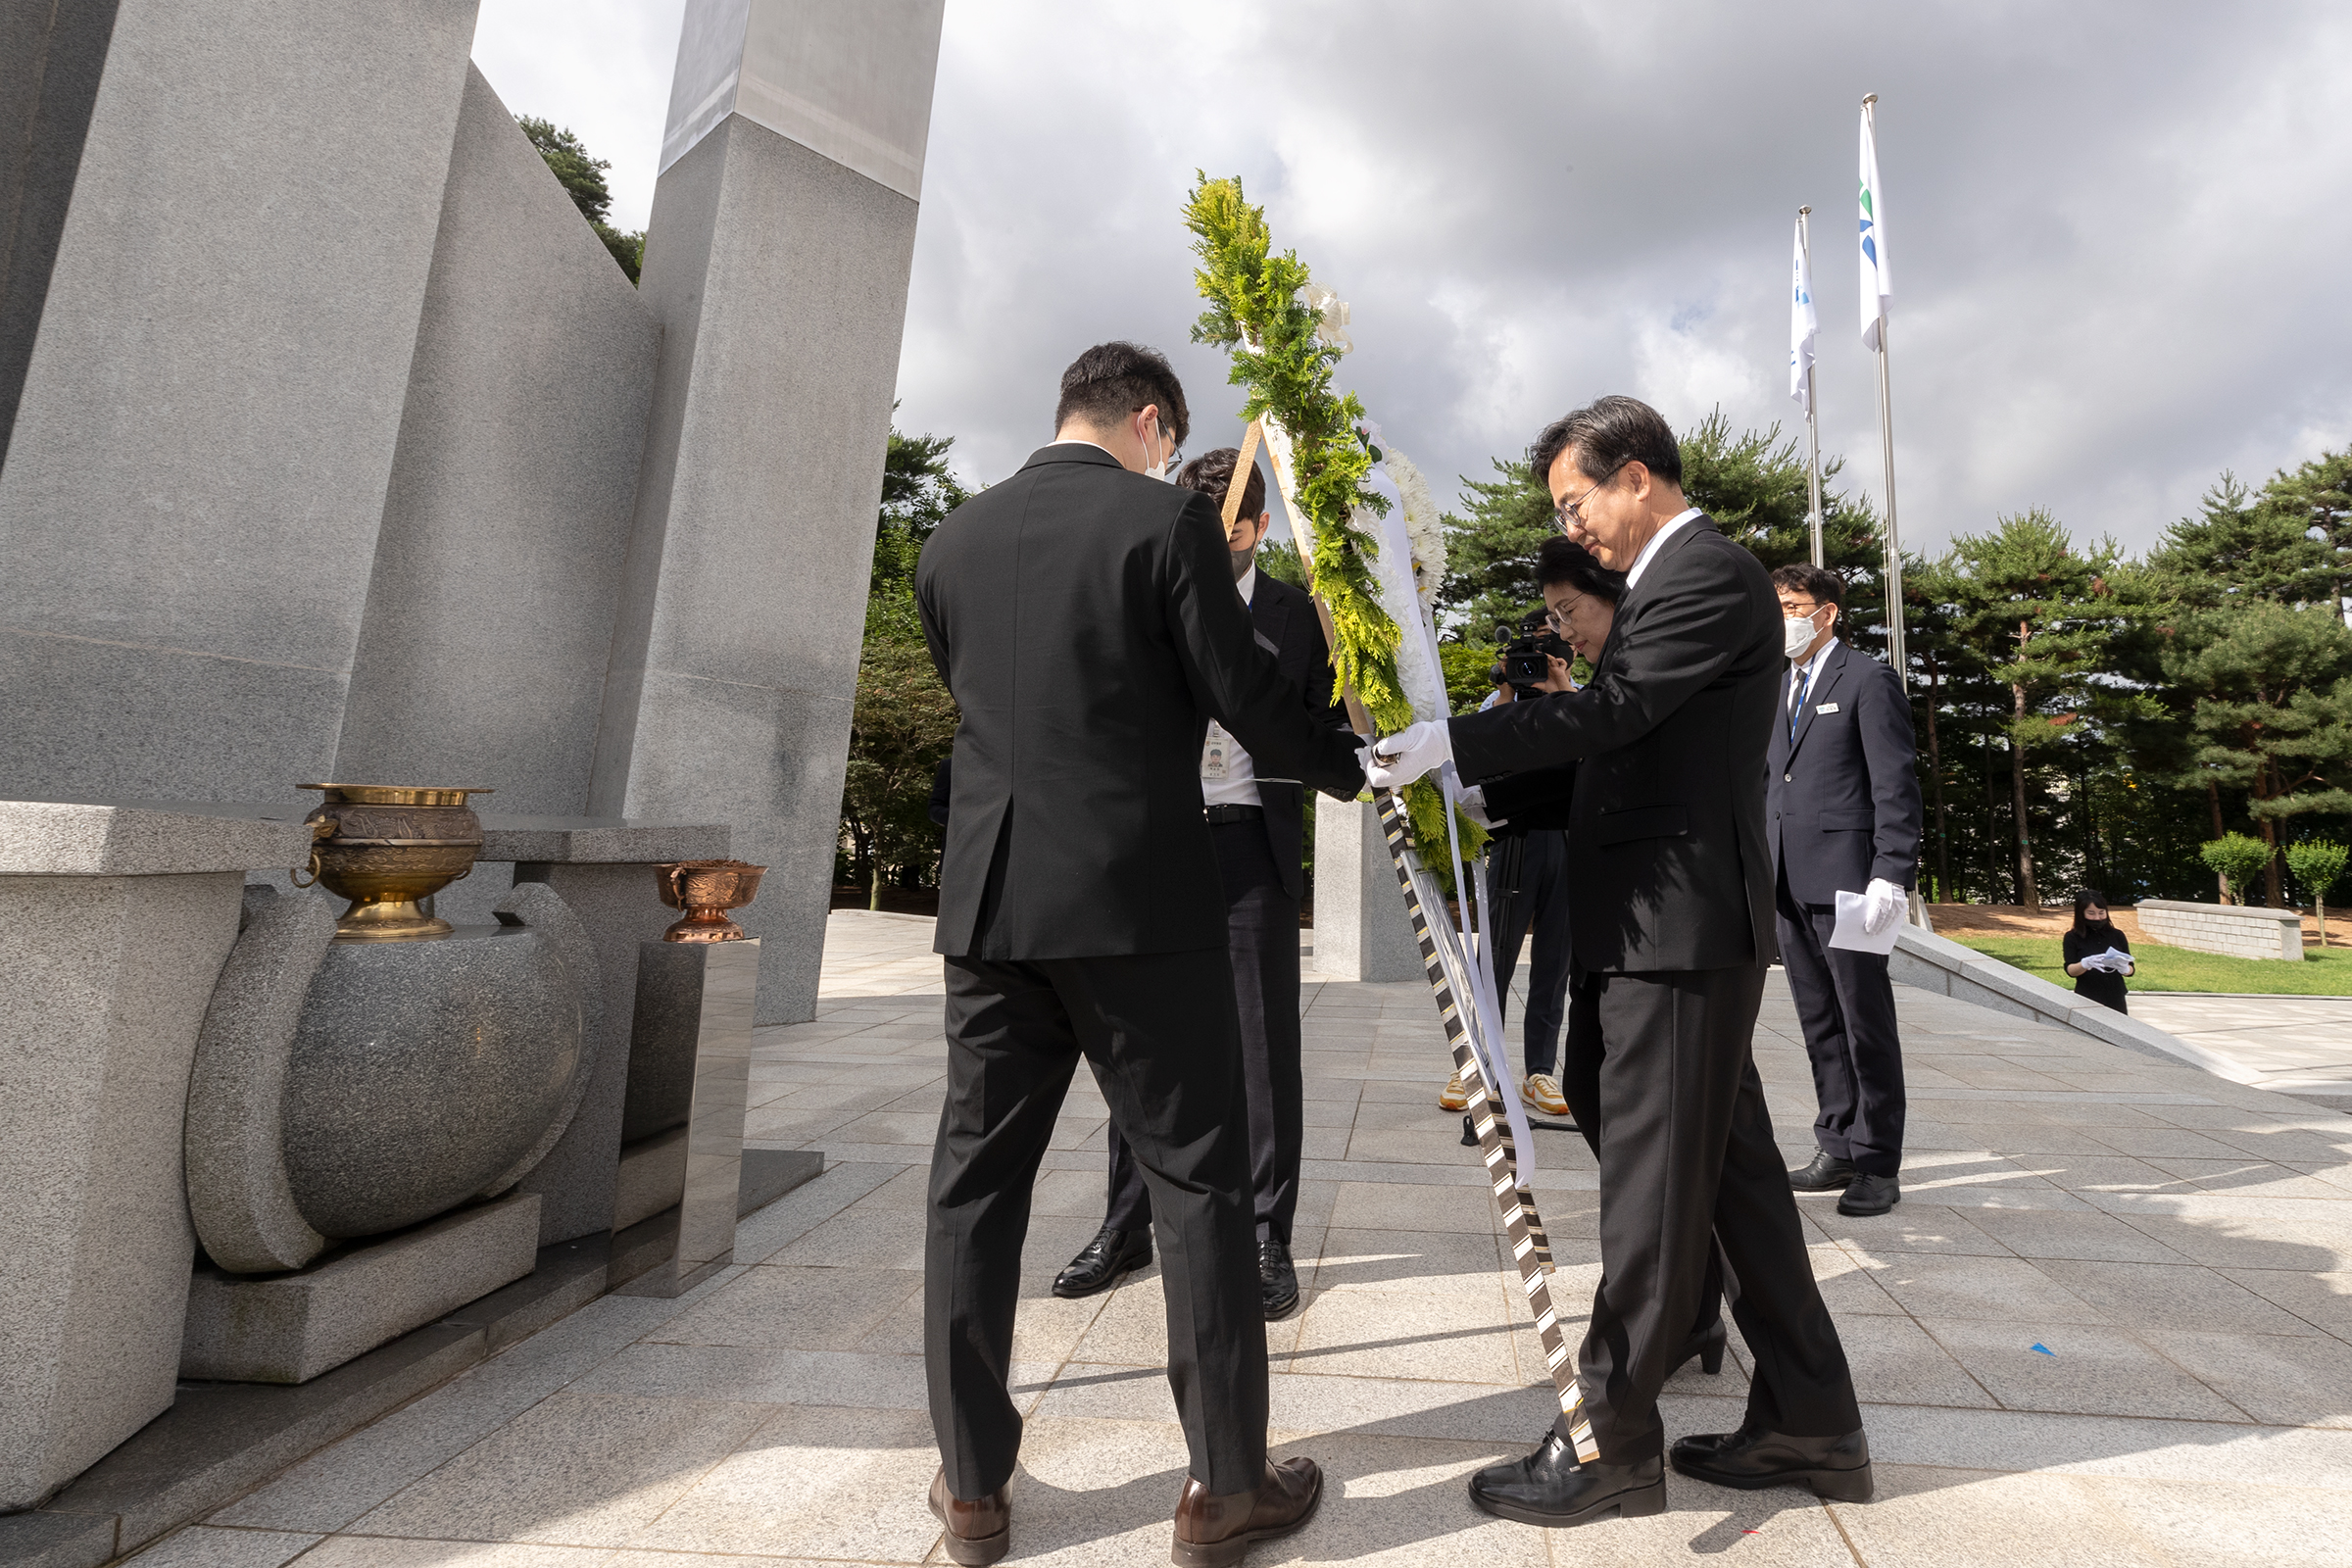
(1401,758)
(2117,961)
(1888,904)
(1474,806)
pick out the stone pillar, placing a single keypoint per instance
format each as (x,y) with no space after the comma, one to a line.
(776,263)
(1361,929)
(114,924)
(198,460)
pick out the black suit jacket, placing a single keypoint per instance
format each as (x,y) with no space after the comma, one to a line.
(1667,820)
(1842,801)
(1286,619)
(1085,621)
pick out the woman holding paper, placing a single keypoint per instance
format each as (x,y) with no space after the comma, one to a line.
(2097,955)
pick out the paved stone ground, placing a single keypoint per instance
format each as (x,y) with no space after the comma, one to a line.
(2298,1045)
(2110,1324)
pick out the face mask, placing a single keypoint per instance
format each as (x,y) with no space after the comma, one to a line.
(1156,468)
(1796,636)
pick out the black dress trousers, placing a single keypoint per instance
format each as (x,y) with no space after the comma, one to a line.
(1846,1005)
(1691,1178)
(1539,901)
(1161,1033)
(1262,927)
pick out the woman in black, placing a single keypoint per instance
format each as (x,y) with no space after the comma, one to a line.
(2093,934)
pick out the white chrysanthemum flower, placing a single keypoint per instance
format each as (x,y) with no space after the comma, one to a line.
(1422,525)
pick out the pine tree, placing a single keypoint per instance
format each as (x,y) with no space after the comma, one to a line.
(1491,551)
(1754,486)
(2036,617)
(917,494)
(2272,687)
(2239,546)
(583,179)
(2316,500)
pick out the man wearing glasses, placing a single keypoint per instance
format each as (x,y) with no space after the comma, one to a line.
(1674,928)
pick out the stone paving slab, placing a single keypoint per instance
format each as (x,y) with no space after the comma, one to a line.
(2111,1323)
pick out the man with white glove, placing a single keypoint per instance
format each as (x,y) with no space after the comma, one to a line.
(1842,812)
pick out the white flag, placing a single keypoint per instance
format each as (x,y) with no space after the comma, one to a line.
(1878,283)
(1803,324)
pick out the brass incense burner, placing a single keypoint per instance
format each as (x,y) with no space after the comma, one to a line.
(385,847)
(707,890)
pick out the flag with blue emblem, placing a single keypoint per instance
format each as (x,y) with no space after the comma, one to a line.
(1878,286)
(1803,324)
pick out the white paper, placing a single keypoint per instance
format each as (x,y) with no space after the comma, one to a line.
(1850,935)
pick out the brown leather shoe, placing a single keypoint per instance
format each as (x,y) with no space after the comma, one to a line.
(977,1531)
(1213,1532)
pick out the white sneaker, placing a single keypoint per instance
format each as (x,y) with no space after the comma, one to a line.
(1455,1095)
(1541,1091)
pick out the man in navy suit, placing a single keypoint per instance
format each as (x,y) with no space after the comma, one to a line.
(1842,812)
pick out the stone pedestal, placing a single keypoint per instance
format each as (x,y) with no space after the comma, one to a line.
(113,923)
(289,1328)
(695,1005)
(604,867)
(1361,929)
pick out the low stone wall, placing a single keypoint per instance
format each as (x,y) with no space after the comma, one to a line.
(1937,963)
(2233,929)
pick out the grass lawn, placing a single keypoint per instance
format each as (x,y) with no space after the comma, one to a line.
(2325,973)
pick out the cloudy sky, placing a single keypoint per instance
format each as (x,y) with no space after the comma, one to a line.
(2120,233)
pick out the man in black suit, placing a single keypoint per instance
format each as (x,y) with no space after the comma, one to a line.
(1843,815)
(1258,827)
(1084,618)
(1673,932)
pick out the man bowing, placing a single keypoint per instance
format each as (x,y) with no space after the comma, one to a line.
(1673,928)
(1084,618)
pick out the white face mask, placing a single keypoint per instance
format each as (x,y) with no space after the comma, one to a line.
(1797,636)
(1156,468)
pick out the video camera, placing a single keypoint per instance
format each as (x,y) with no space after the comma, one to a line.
(1527,651)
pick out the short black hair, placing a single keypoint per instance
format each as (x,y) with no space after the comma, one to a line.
(1212,473)
(1562,559)
(1112,380)
(1606,434)
(1821,587)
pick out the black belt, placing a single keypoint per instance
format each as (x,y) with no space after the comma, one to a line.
(1218,816)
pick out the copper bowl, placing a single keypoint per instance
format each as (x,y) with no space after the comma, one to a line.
(385,847)
(707,890)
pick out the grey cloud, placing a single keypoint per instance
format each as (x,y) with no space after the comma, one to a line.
(2118,234)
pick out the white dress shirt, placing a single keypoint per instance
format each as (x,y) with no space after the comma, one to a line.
(1633,573)
(1239,786)
(1800,684)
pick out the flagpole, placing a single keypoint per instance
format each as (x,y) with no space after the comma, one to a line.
(1804,231)
(1895,655)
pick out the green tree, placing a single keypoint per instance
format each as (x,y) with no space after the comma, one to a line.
(2272,687)
(1279,558)
(583,179)
(903,725)
(2035,618)
(2316,500)
(1490,550)
(1754,486)
(2238,860)
(917,494)
(2319,864)
(2235,546)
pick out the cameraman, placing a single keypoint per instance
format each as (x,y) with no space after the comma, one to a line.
(1526,868)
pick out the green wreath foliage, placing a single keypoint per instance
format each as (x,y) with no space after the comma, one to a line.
(1256,313)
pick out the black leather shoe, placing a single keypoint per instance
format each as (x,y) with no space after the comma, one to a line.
(1548,1487)
(1277,1279)
(1105,1261)
(1707,1345)
(1837,1469)
(1871,1195)
(1826,1174)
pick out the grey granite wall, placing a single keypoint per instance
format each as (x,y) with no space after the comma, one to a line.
(201,453)
(779,276)
(1362,931)
(489,614)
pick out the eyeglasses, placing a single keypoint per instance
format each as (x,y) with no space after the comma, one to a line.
(1557,620)
(1573,511)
